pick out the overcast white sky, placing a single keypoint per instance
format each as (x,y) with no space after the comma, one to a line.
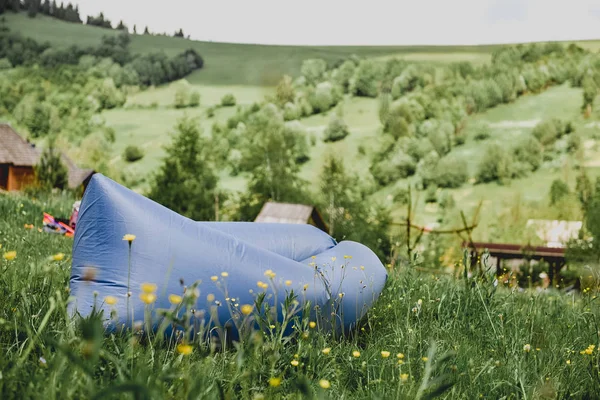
(372,22)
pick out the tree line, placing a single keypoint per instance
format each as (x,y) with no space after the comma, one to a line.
(68,13)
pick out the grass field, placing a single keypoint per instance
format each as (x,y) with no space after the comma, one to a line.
(424,335)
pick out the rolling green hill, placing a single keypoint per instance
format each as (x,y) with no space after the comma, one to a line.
(250,71)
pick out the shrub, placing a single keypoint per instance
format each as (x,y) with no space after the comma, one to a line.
(528,150)
(228,100)
(323,97)
(133,154)
(336,130)
(285,93)
(481,131)
(291,112)
(558,191)
(194,99)
(427,168)
(366,79)
(574,142)
(548,131)
(451,172)
(313,70)
(399,166)
(182,96)
(496,164)
(5,64)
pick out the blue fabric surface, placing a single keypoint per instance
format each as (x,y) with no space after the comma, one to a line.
(170,248)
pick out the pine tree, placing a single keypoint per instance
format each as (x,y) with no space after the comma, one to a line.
(134,29)
(179,33)
(3,6)
(121,26)
(45,7)
(50,171)
(185,182)
(33,7)
(53,8)
(146,31)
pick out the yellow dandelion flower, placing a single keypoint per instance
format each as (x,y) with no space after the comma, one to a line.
(294,363)
(419,302)
(175,299)
(270,274)
(246,309)
(400,362)
(288,283)
(129,237)
(210,297)
(424,359)
(58,257)
(527,348)
(341,295)
(568,362)
(404,377)
(385,354)
(313,257)
(148,298)
(362,267)
(110,300)
(326,350)
(9,255)
(272,326)
(224,274)
(356,354)
(214,278)
(324,383)
(400,356)
(148,287)
(305,287)
(333,258)
(274,381)
(184,349)
(347,257)
(312,324)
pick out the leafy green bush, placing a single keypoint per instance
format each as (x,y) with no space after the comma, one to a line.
(336,130)
(481,130)
(548,131)
(323,97)
(399,166)
(528,150)
(228,100)
(427,168)
(291,112)
(558,191)
(313,70)
(132,153)
(5,64)
(366,79)
(194,99)
(496,164)
(451,172)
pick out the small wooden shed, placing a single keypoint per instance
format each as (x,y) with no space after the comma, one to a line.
(19,157)
(287,213)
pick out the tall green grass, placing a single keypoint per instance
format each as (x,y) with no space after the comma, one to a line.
(427,336)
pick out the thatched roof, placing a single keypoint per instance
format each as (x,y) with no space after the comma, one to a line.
(17,151)
(287,213)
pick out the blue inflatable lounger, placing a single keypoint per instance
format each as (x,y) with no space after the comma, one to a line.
(233,261)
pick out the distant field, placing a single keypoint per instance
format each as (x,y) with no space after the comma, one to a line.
(233,64)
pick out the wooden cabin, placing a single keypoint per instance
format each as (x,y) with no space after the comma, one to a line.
(286,213)
(18,158)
